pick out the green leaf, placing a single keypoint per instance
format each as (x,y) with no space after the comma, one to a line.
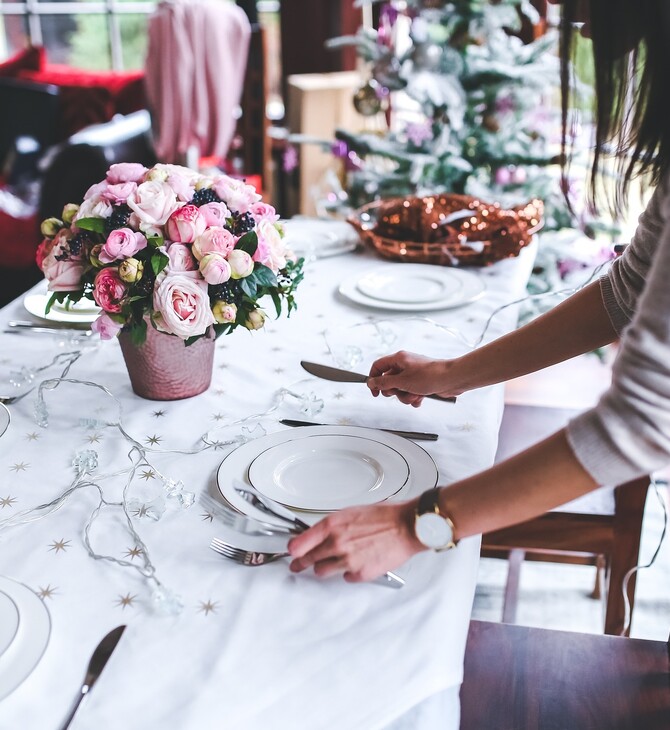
(277,301)
(138,333)
(155,241)
(264,276)
(159,261)
(92,224)
(248,243)
(248,286)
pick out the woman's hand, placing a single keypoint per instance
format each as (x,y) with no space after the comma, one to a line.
(410,377)
(361,542)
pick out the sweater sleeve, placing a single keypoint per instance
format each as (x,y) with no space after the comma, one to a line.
(628,433)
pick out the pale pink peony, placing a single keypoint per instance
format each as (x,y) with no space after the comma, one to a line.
(94,208)
(271,251)
(185,224)
(182,304)
(183,186)
(214,240)
(109,289)
(263,212)
(153,202)
(123,172)
(96,190)
(181,258)
(121,244)
(62,270)
(119,192)
(106,327)
(241,264)
(236,194)
(214,268)
(216,214)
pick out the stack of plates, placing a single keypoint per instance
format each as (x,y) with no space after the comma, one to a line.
(319,469)
(24,633)
(413,287)
(316,238)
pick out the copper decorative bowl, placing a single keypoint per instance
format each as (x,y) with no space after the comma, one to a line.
(447,229)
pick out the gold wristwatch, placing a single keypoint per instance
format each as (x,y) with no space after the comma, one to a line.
(433,529)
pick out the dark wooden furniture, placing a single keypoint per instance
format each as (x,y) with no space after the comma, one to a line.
(519,678)
(601,529)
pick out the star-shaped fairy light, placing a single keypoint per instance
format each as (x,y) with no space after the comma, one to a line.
(32,436)
(58,545)
(126,600)
(207,607)
(19,466)
(153,440)
(7,502)
(133,552)
(148,474)
(47,592)
(158,414)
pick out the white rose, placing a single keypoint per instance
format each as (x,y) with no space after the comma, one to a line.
(153,202)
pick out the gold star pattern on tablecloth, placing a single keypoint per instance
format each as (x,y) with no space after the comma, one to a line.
(338,396)
(126,600)
(58,545)
(153,440)
(133,552)
(279,371)
(148,474)
(47,592)
(344,421)
(140,511)
(207,607)
(220,391)
(19,466)
(218,416)
(158,414)
(207,516)
(223,366)
(93,439)
(7,502)
(467,426)
(32,436)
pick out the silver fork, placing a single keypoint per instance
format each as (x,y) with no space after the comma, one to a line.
(243,523)
(244,557)
(8,399)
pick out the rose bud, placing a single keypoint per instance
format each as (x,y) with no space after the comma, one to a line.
(69,213)
(255,319)
(214,268)
(159,175)
(223,312)
(94,256)
(131,270)
(185,224)
(241,264)
(50,227)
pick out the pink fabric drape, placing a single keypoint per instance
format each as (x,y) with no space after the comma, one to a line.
(195,68)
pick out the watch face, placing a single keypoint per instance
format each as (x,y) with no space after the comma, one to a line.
(433,531)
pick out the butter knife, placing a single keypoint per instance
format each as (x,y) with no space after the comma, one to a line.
(346,376)
(95,666)
(19,326)
(414,435)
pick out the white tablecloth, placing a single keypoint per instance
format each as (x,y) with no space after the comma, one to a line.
(252,648)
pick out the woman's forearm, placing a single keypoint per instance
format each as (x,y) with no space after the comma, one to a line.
(577,325)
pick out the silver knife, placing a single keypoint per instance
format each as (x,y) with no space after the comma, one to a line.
(388,579)
(18,326)
(414,435)
(346,376)
(95,666)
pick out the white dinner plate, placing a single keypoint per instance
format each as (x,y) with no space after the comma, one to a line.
(83,312)
(9,621)
(319,238)
(5,418)
(413,288)
(324,473)
(32,636)
(235,468)
(411,284)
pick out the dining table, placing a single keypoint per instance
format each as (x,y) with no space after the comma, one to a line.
(107,512)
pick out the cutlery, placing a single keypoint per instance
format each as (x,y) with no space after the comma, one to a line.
(346,376)
(278,510)
(19,326)
(9,399)
(414,435)
(242,523)
(95,666)
(244,557)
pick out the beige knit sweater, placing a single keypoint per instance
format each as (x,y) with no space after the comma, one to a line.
(628,433)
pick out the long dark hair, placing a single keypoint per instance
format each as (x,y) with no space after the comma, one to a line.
(631,50)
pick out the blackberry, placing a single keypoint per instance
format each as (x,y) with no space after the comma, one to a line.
(243,223)
(119,218)
(145,285)
(204,196)
(78,241)
(228,292)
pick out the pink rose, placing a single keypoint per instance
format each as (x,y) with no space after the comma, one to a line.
(119,192)
(182,304)
(263,212)
(241,264)
(271,251)
(43,251)
(62,269)
(121,244)
(106,327)
(123,172)
(185,224)
(182,185)
(216,214)
(109,289)
(214,240)
(236,194)
(153,202)
(181,258)
(214,268)
(223,312)
(96,190)
(94,208)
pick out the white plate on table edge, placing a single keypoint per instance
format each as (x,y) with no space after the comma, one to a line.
(9,621)
(423,474)
(282,472)
(5,418)
(411,284)
(308,236)
(473,287)
(31,639)
(36,305)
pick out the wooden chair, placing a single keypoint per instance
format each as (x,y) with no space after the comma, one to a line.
(520,678)
(602,528)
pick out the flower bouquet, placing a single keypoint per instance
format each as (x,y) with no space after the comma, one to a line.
(172,249)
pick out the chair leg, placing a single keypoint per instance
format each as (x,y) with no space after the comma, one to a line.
(511,598)
(598,585)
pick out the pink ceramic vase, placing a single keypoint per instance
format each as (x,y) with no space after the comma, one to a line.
(164,368)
